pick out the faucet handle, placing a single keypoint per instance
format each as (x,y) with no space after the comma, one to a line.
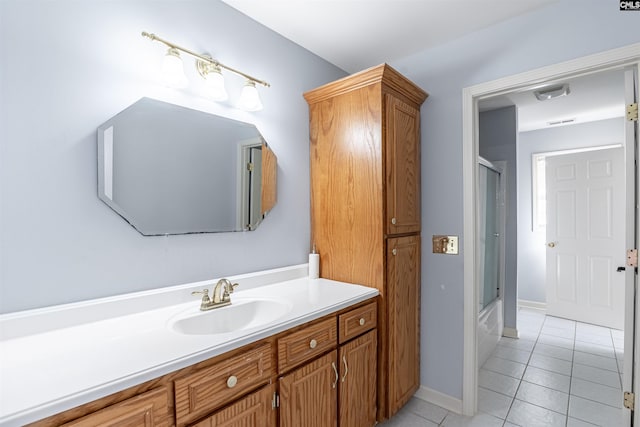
(205,297)
(228,290)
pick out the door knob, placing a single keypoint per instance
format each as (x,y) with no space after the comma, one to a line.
(551,244)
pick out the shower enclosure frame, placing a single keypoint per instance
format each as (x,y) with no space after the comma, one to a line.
(490,324)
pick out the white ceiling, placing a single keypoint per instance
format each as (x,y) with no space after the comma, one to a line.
(592,97)
(357,34)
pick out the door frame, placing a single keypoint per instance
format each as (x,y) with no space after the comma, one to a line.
(624,56)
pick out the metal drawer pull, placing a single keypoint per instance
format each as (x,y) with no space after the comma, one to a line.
(346,368)
(232,381)
(394,251)
(393,221)
(361,321)
(333,365)
(313,344)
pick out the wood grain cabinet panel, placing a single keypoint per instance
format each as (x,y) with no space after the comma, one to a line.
(404,319)
(403,167)
(197,394)
(308,395)
(268,194)
(358,381)
(364,140)
(254,410)
(149,409)
(357,321)
(307,343)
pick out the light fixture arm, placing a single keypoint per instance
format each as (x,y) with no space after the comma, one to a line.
(203,58)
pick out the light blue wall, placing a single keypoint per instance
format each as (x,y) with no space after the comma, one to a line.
(68,66)
(531,244)
(498,134)
(562,31)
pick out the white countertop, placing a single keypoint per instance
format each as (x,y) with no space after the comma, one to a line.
(49,370)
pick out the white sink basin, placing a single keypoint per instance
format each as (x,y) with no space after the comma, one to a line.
(240,315)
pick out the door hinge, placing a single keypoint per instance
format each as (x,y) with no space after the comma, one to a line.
(629,399)
(275,401)
(250,167)
(632,258)
(632,112)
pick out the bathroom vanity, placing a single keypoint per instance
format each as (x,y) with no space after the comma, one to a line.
(307,356)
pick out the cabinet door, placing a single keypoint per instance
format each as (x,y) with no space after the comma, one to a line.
(402,167)
(255,410)
(308,395)
(358,381)
(403,310)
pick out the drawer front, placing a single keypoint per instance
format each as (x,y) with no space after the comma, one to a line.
(213,387)
(305,344)
(357,321)
(150,409)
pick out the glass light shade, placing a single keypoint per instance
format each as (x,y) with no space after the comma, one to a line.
(249,98)
(215,85)
(173,70)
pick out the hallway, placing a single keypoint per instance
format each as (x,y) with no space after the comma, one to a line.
(559,373)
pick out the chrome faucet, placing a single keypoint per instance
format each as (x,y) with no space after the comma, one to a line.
(221,295)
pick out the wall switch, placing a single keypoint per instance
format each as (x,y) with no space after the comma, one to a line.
(452,245)
(445,244)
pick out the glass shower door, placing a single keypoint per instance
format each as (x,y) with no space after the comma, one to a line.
(489,221)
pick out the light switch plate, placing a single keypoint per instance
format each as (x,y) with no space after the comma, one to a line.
(452,245)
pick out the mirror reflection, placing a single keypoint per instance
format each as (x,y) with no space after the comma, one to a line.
(168,169)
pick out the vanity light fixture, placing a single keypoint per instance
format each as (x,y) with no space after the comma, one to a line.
(211,70)
(551,92)
(212,74)
(249,97)
(173,70)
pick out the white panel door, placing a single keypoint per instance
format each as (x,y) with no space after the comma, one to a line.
(585,236)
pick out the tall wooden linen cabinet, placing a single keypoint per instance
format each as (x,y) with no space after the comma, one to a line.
(365,209)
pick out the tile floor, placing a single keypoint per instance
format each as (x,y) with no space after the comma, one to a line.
(559,373)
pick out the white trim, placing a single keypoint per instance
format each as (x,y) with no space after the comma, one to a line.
(534,305)
(442,400)
(510,332)
(588,64)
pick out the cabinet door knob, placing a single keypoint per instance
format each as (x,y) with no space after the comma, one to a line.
(394,251)
(393,221)
(313,344)
(333,365)
(551,244)
(361,321)
(232,381)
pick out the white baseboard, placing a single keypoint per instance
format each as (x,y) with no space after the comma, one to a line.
(523,303)
(443,400)
(510,332)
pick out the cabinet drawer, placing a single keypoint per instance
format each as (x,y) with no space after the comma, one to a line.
(305,344)
(211,388)
(357,321)
(148,409)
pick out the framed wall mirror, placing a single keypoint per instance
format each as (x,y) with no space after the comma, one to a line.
(167,169)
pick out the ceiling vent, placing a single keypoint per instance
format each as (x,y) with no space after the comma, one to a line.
(551,92)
